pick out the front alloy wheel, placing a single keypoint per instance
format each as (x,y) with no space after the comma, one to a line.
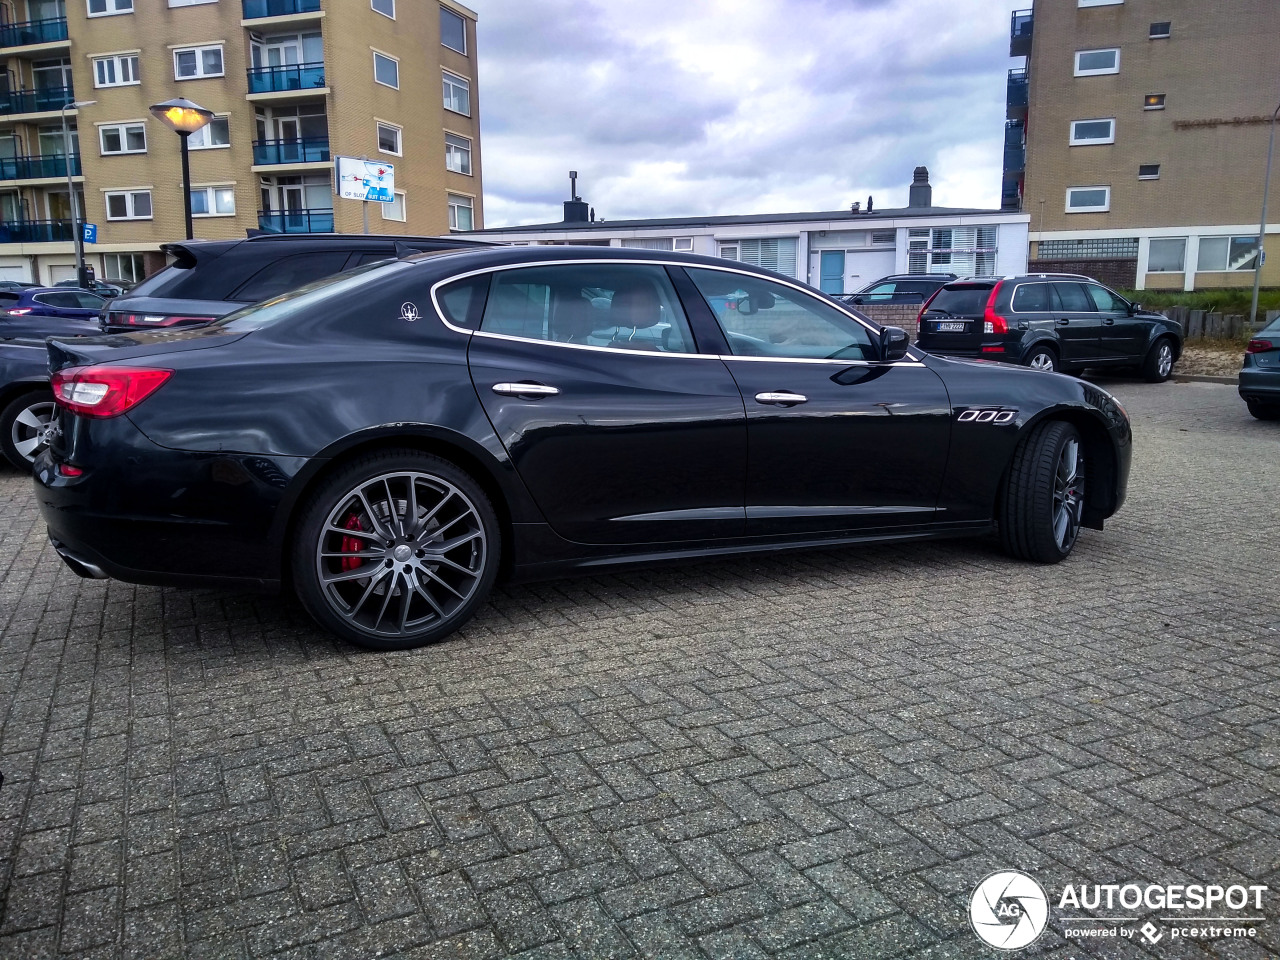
(1159,362)
(1043,505)
(26,425)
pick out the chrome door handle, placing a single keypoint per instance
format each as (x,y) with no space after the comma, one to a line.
(783,398)
(525,390)
(1109,322)
(1061,322)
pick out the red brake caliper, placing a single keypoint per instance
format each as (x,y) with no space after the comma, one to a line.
(352,544)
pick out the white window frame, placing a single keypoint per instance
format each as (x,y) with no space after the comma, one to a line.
(189,3)
(1182,266)
(121,128)
(373,5)
(469,205)
(109,12)
(403,203)
(457,136)
(377,129)
(1097,73)
(1099,3)
(1078,141)
(208,190)
(199,50)
(394,60)
(130,204)
(454,13)
(117,60)
(137,267)
(1148,176)
(445,77)
(1103,208)
(204,132)
(1154,106)
(1160,36)
(684,244)
(1226,267)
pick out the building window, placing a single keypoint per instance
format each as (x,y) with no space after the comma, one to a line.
(109,8)
(1090,63)
(396,210)
(213,201)
(457,154)
(123,266)
(1095,248)
(1227,253)
(389,138)
(684,243)
(1161,30)
(453,31)
(457,94)
(775,253)
(1148,171)
(1166,254)
(1153,101)
(189,3)
(1088,199)
(461,213)
(967,251)
(129,205)
(192,63)
(118,71)
(651,243)
(386,70)
(216,133)
(385,7)
(123,138)
(1092,131)
(1099,3)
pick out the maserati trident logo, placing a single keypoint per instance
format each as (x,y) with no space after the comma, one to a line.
(1008,910)
(409,311)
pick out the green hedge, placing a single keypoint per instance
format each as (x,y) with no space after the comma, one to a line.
(1216,301)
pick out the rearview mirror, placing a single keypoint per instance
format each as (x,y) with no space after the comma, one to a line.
(893,344)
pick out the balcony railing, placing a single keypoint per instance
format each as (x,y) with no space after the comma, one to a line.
(1016,97)
(32,168)
(1020,29)
(301,76)
(315,220)
(36,231)
(299,150)
(33,31)
(253,9)
(1011,196)
(35,101)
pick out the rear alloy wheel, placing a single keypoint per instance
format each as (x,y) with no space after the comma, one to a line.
(1043,503)
(1158,365)
(1042,358)
(1264,411)
(26,425)
(396,550)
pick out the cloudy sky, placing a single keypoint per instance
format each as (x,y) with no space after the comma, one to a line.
(688,107)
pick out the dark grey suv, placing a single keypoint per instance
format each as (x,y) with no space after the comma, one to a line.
(1048,321)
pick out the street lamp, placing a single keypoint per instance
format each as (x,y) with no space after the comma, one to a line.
(77,231)
(184,118)
(1262,230)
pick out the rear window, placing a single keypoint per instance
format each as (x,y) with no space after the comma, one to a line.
(968,300)
(162,284)
(259,315)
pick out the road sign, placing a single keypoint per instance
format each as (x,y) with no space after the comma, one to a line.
(90,232)
(358,179)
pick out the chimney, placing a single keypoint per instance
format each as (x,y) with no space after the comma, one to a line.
(855,207)
(921,193)
(870,204)
(575,208)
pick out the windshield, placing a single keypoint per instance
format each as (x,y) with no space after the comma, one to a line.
(297,301)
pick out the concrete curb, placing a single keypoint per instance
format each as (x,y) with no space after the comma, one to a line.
(1195,378)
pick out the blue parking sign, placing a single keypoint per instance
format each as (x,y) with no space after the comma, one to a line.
(90,232)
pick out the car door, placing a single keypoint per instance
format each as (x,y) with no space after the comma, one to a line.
(1077,322)
(621,431)
(836,440)
(1121,336)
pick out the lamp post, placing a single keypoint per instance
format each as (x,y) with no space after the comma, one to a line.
(77,232)
(184,118)
(1262,229)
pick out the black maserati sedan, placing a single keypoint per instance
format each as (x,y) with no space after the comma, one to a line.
(389,441)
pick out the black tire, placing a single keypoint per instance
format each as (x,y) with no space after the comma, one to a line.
(22,422)
(1158,365)
(1264,411)
(1038,496)
(1043,358)
(431,589)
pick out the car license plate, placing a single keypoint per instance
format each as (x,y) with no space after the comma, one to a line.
(952,326)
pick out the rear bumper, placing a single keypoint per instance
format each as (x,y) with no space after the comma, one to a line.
(1258,384)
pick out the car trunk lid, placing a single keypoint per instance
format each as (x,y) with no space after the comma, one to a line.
(82,351)
(953,318)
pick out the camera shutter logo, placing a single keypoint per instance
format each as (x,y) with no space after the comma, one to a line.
(1008,910)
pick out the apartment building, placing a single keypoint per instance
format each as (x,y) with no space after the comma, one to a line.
(1136,138)
(292,84)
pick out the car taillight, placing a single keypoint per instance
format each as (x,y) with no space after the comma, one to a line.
(106,391)
(153,320)
(20,311)
(1255,345)
(925,306)
(992,322)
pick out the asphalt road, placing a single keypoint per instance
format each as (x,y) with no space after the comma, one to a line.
(806,755)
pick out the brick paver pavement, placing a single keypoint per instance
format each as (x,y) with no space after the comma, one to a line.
(806,755)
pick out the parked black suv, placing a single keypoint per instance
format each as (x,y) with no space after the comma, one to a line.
(899,288)
(1050,321)
(210,278)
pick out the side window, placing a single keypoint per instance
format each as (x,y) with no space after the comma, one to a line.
(89,301)
(8,299)
(462,302)
(281,276)
(1073,299)
(56,299)
(761,318)
(1105,300)
(1031,298)
(886,288)
(627,307)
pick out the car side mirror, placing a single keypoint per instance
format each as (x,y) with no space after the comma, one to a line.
(893,344)
(1135,308)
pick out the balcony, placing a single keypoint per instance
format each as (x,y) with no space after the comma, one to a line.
(48,100)
(1017,95)
(36,231)
(1020,29)
(298,78)
(257,9)
(50,166)
(1011,195)
(315,220)
(301,150)
(31,32)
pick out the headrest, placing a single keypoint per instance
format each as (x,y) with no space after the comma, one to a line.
(635,306)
